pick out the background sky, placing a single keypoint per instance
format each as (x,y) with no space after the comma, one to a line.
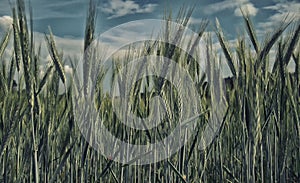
(67,17)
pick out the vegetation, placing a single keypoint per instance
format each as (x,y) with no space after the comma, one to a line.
(259,140)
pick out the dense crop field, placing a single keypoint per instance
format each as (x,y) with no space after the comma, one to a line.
(259,138)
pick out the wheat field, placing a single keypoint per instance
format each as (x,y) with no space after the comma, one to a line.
(259,139)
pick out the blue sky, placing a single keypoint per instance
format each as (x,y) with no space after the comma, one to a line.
(67,17)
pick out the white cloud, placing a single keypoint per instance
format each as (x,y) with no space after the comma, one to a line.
(282,11)
(67,46)
(119,8)
(223,5)
(5,22)
(247,8)
(68,69)
(231,4)
(197,21)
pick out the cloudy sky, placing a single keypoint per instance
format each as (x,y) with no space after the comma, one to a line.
(66,17)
